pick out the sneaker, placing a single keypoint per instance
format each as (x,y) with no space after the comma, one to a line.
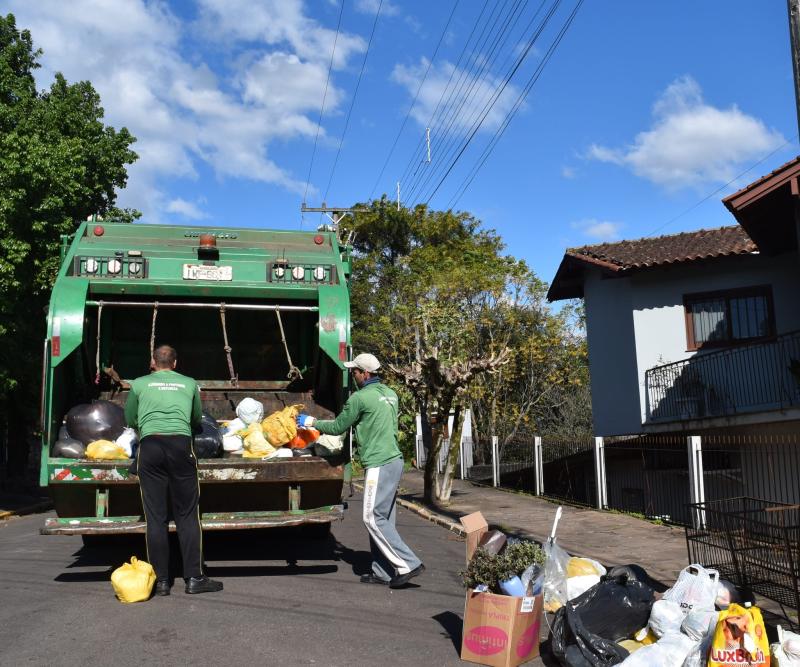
(162,587)
(402,579)
(202,585)
(372,579)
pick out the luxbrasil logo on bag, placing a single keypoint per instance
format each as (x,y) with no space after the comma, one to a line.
(736,656)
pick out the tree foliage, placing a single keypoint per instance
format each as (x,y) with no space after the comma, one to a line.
(59,163)
(458,323)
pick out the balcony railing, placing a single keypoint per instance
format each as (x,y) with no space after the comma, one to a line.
(751,378)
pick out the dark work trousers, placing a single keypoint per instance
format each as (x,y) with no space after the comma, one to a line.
(168,471)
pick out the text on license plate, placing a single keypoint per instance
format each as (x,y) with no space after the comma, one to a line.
(200,272)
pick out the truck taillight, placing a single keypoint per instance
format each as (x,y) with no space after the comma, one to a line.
(56,338)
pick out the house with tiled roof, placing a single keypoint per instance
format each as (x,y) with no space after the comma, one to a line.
(700,330)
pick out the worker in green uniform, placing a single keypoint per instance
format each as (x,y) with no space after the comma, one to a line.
(373,412)
(164,407)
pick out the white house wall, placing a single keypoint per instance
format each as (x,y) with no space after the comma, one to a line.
(656,298)
(612,355)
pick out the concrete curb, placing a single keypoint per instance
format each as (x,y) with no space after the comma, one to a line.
(35,508)
(425,513)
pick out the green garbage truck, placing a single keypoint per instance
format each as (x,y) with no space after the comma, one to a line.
(252,313)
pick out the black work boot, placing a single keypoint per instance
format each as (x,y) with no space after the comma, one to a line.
(402,579)
(203,585)
(162,587)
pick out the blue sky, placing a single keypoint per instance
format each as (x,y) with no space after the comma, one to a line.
(643,110)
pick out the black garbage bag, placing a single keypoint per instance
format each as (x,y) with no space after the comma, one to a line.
(99,420)
(207,439)
(68,448)
(586,629)
(637,573)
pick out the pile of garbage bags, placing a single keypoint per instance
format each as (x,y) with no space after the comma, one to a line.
(276,436)
(95,431)
(616,618)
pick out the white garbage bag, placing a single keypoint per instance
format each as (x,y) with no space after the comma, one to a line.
(665,618)
(128,440)
(695,589)
(786,652)
(250,410)
(669,651)
(699,626)
(232,443)
(579,585)
(233,426)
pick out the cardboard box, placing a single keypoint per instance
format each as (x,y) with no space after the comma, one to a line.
(475,526)
(499,630)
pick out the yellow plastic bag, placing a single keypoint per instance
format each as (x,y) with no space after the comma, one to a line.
(280,427)
(133,582)
(254,442)
(581,567)
(740,639)
(105,449)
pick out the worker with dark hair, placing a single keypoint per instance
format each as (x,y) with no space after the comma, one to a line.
(164,407)
(373,412)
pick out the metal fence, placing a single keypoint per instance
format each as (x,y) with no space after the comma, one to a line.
(654,476)
(649,476)
(761,376)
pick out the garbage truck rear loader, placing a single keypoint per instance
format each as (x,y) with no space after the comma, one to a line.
(255,313)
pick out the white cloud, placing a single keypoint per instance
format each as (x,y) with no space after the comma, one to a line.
(184,108)
(371,7)
(598,230)
(186,208)
(467,105)
(568,172)
(692,143)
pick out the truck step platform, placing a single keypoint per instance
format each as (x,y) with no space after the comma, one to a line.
(209,521)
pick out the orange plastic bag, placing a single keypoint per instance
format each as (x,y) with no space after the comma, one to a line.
(740,639)
(133,582)
(280,427)
(304,437)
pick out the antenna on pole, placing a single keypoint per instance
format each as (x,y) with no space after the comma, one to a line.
(398,195)
(428,142)
(334,213)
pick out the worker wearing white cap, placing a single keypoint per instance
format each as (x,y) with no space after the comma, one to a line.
(373,411)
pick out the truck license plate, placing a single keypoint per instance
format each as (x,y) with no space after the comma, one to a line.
(200,272)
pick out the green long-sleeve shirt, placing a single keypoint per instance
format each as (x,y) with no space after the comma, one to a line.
(373,411)
(163,402)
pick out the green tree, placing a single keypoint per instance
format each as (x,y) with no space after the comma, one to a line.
(59,163)
(459,323)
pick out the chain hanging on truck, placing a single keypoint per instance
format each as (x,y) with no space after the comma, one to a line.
(294,372)
(153,329)
(97,354)
(227,348)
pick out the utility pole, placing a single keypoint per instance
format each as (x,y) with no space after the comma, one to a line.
(398,195)
(334,213)
(794,35)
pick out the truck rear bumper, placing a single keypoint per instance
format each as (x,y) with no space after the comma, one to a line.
(210,521)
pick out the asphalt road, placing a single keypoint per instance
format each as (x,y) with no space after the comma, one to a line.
(286,601)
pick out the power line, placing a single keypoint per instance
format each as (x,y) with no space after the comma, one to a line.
(722,187)
(488,107)
(509,117)
(454,117)
(324,96)
(353,101)
(419,88)
(412,162)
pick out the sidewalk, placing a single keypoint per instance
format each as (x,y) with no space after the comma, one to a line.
(613,539)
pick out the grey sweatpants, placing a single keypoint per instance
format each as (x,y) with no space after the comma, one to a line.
(389,553)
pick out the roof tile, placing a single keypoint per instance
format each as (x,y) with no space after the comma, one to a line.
(684,247)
